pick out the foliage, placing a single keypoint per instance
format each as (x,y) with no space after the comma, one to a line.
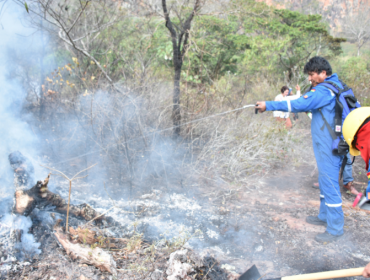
(297,37)
(250,38)
(262,57)
(216,49)
(257,39)
(355,72)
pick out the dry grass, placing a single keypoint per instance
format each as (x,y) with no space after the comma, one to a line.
(130,134)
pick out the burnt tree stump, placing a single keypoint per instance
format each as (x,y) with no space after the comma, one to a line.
(39,196)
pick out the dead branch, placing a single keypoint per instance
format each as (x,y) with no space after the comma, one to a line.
(92,256)
(70,184)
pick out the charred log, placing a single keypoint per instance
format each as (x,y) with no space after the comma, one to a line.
(39,196)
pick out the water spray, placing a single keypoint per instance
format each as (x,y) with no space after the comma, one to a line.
(166,129)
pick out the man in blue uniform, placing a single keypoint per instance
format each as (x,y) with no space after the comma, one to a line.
(320,97)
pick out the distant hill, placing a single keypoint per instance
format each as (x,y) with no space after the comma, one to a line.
(333,11)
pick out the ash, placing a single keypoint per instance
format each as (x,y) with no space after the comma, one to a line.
(184,264)
(159,214)
(160,218)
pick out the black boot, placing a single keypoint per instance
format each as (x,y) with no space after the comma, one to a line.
(315,221)
(327,237)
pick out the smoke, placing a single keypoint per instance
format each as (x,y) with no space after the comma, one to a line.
(100,127)
(104,128)
(19,45)
(27,246)
(119,131)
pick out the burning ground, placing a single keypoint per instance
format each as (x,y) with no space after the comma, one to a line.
(216,232)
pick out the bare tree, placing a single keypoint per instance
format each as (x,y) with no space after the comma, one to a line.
(77,23)
(356,28)
(82,28)
(180,43)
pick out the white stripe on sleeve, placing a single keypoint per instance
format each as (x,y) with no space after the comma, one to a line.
(289,106)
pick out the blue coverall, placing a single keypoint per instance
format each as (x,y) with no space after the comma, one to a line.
(327,163)
(347,171)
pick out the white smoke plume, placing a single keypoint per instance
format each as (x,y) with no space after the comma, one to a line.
(18,45)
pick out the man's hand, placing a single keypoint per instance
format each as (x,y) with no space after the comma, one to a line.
(366,272)
(297,87)
(261,106)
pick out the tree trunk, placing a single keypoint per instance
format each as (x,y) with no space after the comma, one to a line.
(180,43)
(177,63)
(290,74)
(41,61)
(176,114)
(358,49)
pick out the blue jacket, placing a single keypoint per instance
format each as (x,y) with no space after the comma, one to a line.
(318,97)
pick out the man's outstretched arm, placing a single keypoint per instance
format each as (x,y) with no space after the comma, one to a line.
(310,101)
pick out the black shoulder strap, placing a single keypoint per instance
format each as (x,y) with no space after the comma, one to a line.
(334,85)
(330,85)
(334,88)
(331,131)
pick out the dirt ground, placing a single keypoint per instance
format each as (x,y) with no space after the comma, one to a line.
(271,215)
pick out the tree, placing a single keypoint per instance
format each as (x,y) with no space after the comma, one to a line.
(216,47)
(77,24)
(356,28)
(355,71)
(83,27)
(179,30)
(301,37)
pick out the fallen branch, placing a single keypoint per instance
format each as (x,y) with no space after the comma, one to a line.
(85,254)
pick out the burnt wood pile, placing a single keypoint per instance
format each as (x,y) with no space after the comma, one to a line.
(26,200)
(74,241)
(96,242)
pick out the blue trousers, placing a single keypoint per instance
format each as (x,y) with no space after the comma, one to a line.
(330,196)
(347,172)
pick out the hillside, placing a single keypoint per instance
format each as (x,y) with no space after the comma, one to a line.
(332,11)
